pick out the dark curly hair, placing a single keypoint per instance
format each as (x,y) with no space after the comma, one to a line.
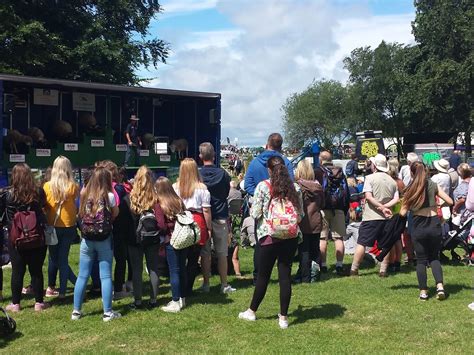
(282,185)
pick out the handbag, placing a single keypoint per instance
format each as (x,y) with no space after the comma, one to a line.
(50,236)
(186,232)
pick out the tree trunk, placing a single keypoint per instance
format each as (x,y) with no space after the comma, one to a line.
(467,142)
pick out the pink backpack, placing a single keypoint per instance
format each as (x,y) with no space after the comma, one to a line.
(282,218)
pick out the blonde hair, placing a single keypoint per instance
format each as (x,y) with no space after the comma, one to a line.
(351,182)
(61,178)
(304,170)
(393,166)
(169,201)
(143,195)
(189,178)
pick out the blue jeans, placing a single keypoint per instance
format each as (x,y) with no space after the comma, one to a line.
(59,259)
(89,251)
(128,154)
(177,265)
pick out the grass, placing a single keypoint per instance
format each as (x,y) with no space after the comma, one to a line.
(336,315)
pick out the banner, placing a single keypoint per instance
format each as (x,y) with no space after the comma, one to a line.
(46,97)
(83,102)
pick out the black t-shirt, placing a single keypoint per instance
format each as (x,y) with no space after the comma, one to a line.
(132,131)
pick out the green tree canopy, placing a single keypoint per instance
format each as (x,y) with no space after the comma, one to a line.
(318,112)
(97,40)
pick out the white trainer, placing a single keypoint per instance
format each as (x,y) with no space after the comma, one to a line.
(182,302)
(248,315)
(172,307)
(76,315)
(282,322)
(227,289)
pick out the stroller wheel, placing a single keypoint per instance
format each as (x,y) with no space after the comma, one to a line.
(455,256)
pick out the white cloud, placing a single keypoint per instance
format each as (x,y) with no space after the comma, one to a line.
(182,6)
(277,48)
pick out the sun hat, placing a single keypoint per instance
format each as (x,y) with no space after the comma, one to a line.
(441,165)
(380,162)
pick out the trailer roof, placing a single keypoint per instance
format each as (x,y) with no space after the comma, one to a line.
(73,84)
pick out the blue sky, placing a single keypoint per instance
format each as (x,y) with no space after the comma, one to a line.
(258,52)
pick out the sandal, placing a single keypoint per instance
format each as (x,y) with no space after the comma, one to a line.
(440,295)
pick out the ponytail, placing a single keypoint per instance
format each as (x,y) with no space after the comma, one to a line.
(414,195)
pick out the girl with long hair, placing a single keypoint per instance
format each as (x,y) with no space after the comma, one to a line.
(312,222)
(280,186)
(61,194)
(22,195)
(97,204)
(197,199)
(420,198)
(143,198)
(171,205)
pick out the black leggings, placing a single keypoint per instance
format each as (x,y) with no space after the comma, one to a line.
(120,255)
(308,252)
(34,259)
(426,236)
(284,252)
(192,268)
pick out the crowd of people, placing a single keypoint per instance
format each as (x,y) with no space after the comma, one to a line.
(287,212)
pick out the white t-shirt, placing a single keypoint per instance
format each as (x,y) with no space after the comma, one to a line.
(201,198)
(444,182)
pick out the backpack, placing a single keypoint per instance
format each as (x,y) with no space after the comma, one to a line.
(282,218)
(335,189)
(186,231)
(25,231)
(97,226)
(148,231)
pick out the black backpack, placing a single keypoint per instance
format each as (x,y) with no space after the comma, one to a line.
(7,324)
(336,190)
(148,231)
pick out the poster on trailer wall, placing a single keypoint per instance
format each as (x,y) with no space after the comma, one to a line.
(46,97)
(83,102)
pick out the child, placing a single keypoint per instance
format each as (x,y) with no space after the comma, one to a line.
(352,231)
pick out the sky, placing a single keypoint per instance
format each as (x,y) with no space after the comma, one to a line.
(256,53)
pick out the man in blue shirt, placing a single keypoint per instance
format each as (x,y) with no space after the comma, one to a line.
(133,140)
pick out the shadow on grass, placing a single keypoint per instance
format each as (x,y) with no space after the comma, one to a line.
(323,311)
(8,339)
(449,288)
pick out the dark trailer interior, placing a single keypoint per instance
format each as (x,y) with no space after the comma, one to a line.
(42,118)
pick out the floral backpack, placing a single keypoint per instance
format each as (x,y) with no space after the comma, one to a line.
(97,226)
(282,218)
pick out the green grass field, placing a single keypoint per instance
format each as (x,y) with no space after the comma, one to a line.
(336,315)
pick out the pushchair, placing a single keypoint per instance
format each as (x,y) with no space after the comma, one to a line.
(460,238)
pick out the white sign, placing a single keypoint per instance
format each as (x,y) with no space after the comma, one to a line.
(46,97)
(43,152)
(161,148)
(17,158)
(165,157)
(71,147)
(120,147)
(83,102)
(144,153)
(97,143)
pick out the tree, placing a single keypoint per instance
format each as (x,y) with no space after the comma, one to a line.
(441,84)
(319,112)
(377,78)
(96,40)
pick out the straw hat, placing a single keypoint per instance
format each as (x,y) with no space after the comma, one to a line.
(380,162)
(441,165)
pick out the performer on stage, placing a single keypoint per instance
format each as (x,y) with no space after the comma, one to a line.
(133,140)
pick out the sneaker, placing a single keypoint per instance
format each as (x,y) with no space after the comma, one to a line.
(152,305)
(13,307)
(51,292)
(205,288)
(283,323)
(248,315)
(121,294)
(354,273)
(424,296)
(340,271)
(40,306)
(182,302)
(28,290)
(227,289)
(135,306)
(440,295)
(107,317)
(172,307)
(471,306)
(76,315)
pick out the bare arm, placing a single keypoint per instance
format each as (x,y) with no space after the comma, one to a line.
(207,217)
(129,141)
(382,208)
(458,204)
(115,212)
(393,201)
(445,197)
